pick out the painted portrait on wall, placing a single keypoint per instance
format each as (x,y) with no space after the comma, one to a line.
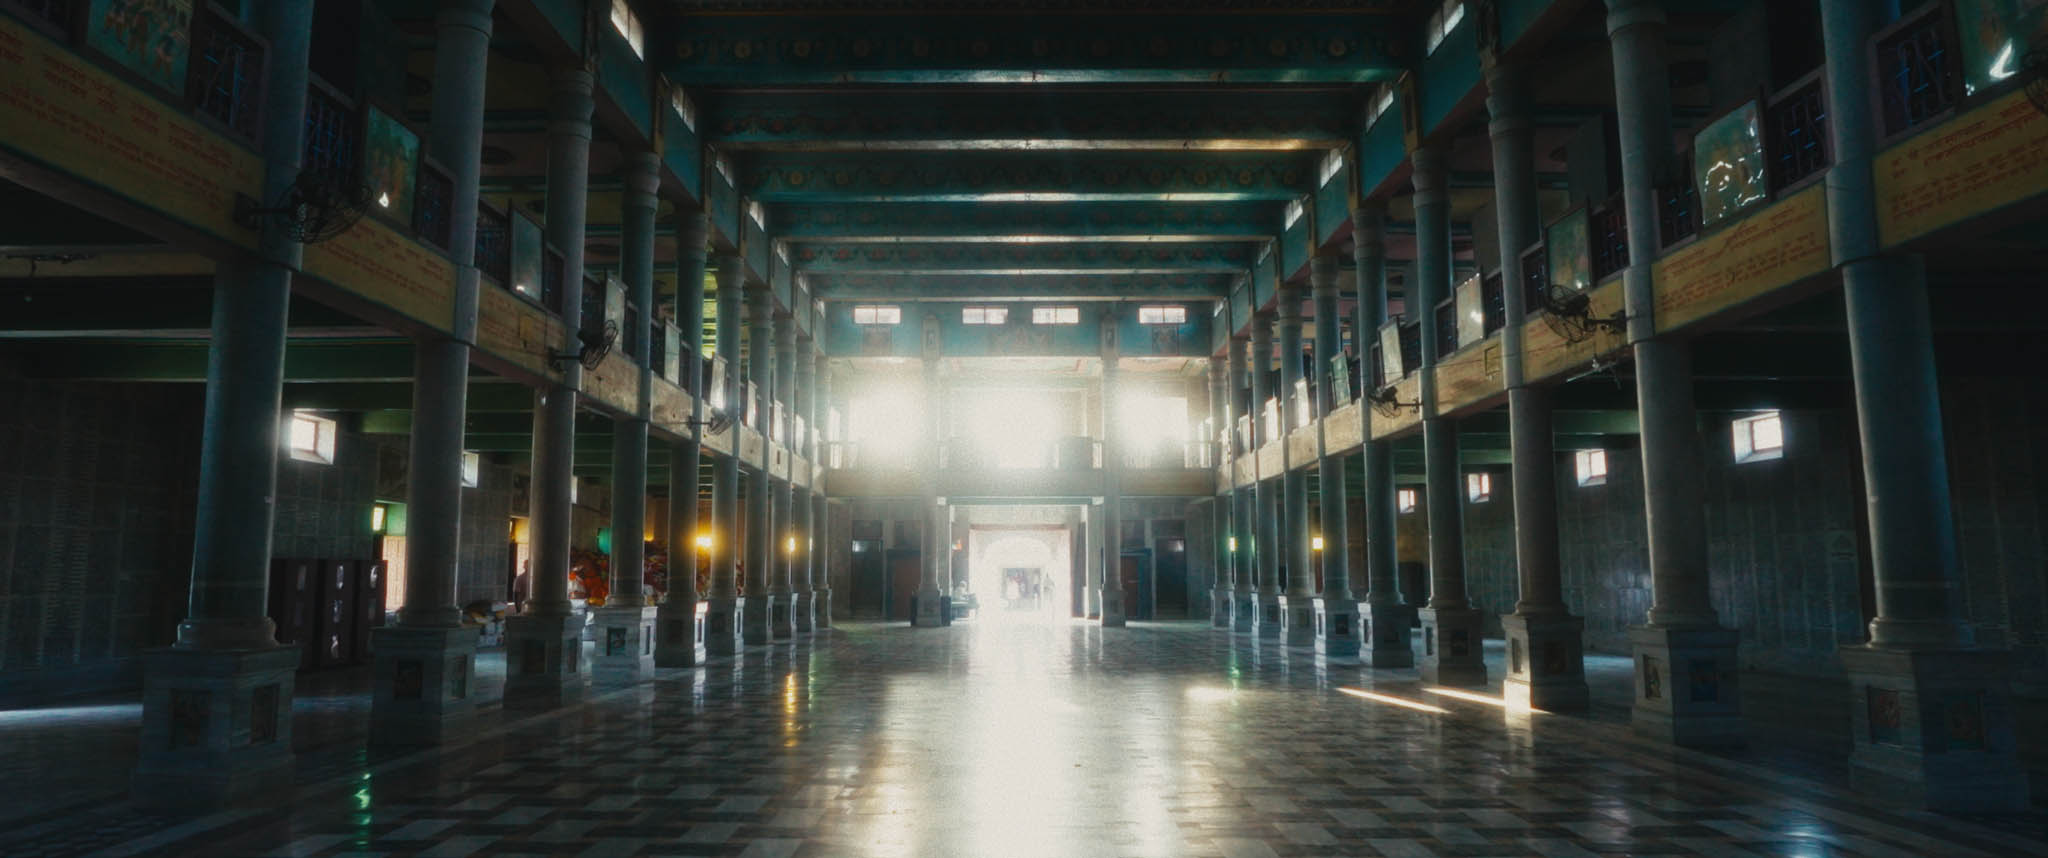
(1996,36)
(526,256)
(153,38)
(1728,164)
(1569,254)
(391,163)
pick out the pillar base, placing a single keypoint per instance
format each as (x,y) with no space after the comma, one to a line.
(1266,615)
(1113,615)
(1934,729)
(679,634)
(757,620)
(1298,621)
(803,610)
(1546,662)
(216,728)
(1453,647)
(822,610)
(927,610)
(1219,608)
(722,634)
(625,644)
(1687,690)
(543,661)
(1337,628)
(1385,635)
(781,615)
(1244,613)
(421,685)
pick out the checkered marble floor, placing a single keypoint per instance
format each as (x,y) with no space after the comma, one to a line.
(1056,740)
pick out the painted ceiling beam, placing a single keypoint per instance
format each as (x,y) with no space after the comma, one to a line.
(1025,223)
(997,288)
(1029,177)
(1213,119)
(781,50)
(1014,259)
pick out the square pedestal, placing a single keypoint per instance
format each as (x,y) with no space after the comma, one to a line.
(543,660)
(1266,615)
(1244,613)
(1935,729)
(1687,686)
(1385,635)
(781,616)
(1453,649)
(722,622)
(421,685)
(625,644)
(216,728)
(1219,608)
(822,611)
(1337,629)
(679,634)
(927,610)
(757,619)
(1546,662)
(803,611)
(1113,614)
(1298,621)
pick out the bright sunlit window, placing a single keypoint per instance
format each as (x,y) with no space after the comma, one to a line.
(684,107)
(877,314)
(984,315)
(1443,22)
(1152,423)
(1405,500)
(1759,438)
(1162,315)
(1592,467)
(310,438)
(1011,427)
(1055,315)
(472,469)
(628,24)
(883,422)
(1479,487)
(1382,101)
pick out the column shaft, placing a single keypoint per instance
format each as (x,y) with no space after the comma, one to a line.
(679,640)
(554,430)
(1114,610)
(629,433)
(1330,467)
(1301,580)
(757,613)
(1451,629)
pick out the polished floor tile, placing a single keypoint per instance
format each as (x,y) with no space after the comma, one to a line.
(1046,739)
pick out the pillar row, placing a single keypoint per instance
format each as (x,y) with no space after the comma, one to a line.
(679,634)
(723,608)
(1336,625)
(1386,619)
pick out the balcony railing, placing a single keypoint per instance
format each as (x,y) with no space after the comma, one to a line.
(334,131)
(1493,302)
(1535,278)
(226,69)
(1608,231)
(56,15)
(1411,347)
(1444,322)
(433,206)
(494,244)
(1917,76)
(1796,132)
(1678,215)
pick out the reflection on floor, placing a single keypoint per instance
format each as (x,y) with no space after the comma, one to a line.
(995,739)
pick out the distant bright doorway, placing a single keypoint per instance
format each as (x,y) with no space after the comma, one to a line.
(1020,573)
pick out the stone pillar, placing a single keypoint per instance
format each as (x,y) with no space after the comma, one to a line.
(1223,579)
(1243,612)
(782,554)
(1686,668)
(927,609)
(1452,648)
(544,646)
(758,617)
(1114,611)
(1266,545)
(1297,603)
(1336,610)
(821,511)
(1386,617)
(1933,720)
(424,662)
(802,605)
(723,608)
(625,624)
(217,704)
(679,631)
(1546,660)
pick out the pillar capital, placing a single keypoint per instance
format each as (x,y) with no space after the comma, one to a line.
(641,172)
(1623,14)
(570,101)
(1429,175)
(466,14)
(1322,274)
(1507,100)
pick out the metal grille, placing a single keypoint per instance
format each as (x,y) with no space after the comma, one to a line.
(553,271)
(432,206)
(227,73)
(1916,76)
(494,245)
(1446,326)
(1535,278)
(1411,346)
(56,13)
(333,132)
(1796,133)
(1494,301)
(1678,215)
(1610,239)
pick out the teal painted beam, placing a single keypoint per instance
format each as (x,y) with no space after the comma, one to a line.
(855,287)
(1029,177)
(816,259)
(327,361)
(1011,223)
(486,394)
(1267,119)
(766,50)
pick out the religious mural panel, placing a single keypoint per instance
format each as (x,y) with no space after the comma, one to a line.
(391,163)
(1569,250)
(1995,36)
(1728,164)
(152,38)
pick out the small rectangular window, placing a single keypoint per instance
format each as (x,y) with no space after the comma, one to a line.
(1055,315)
(1592,467)
(877,314)
(472,469)
(1479,487)
(1162,315)
(628,24)
(310,438)
(1405,500)
(984,315)
(1760,438)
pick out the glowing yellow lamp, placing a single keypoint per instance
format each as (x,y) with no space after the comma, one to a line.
(1316,543)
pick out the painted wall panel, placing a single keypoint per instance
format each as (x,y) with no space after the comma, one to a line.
(1448,74)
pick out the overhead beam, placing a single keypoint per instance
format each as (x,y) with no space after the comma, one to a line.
(1022,223)
(1030,177)
(1054,259)
(1068,287)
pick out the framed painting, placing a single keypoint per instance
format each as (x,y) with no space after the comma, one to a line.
(1995,35)
(391,163)
(1568,251)
(1390,352)
(1471,310)
(152,38)
(1728,164)
(526,256)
